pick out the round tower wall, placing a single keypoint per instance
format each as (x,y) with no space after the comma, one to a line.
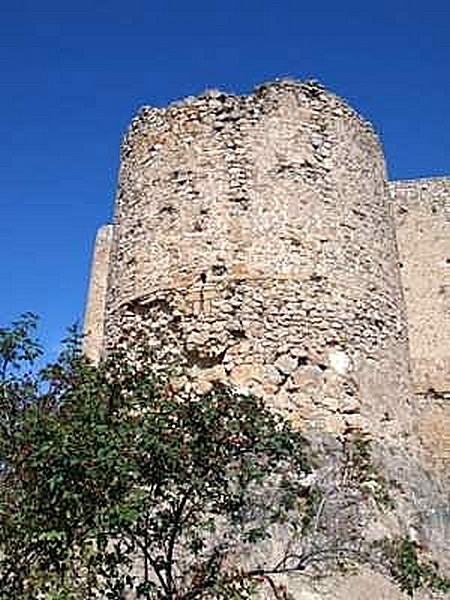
(253,244)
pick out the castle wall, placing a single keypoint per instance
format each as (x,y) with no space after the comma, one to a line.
(422,214)
(253,243)
(257,242)
(95,307)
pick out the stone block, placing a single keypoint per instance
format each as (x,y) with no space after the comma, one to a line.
(307,376)
(213,374)
(272,375)
(286,364)
(245,374)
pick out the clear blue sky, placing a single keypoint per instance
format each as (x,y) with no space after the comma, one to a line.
(73,74)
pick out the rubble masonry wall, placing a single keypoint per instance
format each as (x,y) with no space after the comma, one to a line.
(253,242)
(422,214)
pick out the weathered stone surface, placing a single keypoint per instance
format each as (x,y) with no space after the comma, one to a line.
(434,432)
(201,386)
(254,243)
(272,375)
(340,362)
(422,216)
(307,376)
(95,306)
(213,374)
(286,364)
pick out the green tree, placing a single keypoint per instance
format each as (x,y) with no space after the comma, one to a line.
(115,479)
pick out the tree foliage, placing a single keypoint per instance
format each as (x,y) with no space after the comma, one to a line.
(115,479)
(411,571)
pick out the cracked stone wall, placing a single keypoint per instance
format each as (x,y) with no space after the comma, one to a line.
(253,243)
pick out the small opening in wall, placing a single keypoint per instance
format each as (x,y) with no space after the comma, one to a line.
(240,199)
(238,333)
(447,261)
(203,278)
(219,269)
(167,208)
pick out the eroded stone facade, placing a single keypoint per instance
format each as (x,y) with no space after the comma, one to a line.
(256,240)
(422,215)
(98,285)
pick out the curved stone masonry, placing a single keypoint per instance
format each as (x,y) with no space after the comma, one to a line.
(256,241)
(253,242)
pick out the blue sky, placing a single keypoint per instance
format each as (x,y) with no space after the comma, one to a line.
(73,74)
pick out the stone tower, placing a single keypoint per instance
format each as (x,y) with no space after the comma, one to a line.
(253,242)
(257,241)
